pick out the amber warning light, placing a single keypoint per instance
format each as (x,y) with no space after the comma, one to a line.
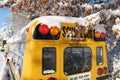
(54,30)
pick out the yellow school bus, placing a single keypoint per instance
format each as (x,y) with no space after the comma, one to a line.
(60,48)
(2,46)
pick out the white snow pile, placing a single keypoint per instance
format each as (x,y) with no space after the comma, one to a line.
(5,32)
(100,28)
(56,20)
(18,36)
(116,27)
(2,65)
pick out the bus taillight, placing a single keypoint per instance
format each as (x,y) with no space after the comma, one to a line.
(51,78)
(54,30)
(97,34)
(102,35)
(100,71)
(43,29)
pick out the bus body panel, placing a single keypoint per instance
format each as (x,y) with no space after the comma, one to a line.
(36,61)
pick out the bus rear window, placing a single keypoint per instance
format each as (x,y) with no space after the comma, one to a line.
(99,53)
(48,60)
(77,60)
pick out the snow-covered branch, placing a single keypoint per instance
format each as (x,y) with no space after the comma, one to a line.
(36,8)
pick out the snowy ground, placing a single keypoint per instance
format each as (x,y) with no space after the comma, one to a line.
(3,67)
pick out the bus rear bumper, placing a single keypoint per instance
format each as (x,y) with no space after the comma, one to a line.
(106,77)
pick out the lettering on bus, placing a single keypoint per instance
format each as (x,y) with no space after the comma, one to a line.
(72,31)
(77,44)
(85,76)
(66,29)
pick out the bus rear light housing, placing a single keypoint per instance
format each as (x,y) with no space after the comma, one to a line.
(100,36)
(105,70)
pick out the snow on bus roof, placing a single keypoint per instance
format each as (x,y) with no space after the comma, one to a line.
(57,20)
(100,27)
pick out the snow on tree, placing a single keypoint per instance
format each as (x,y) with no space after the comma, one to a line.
(17,21)
(6,32)
(36,8)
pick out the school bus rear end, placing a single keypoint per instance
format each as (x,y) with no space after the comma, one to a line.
(52,56)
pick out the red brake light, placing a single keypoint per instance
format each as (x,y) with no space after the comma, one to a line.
(43,29)
(51,78)
(102,35)
(100,71)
